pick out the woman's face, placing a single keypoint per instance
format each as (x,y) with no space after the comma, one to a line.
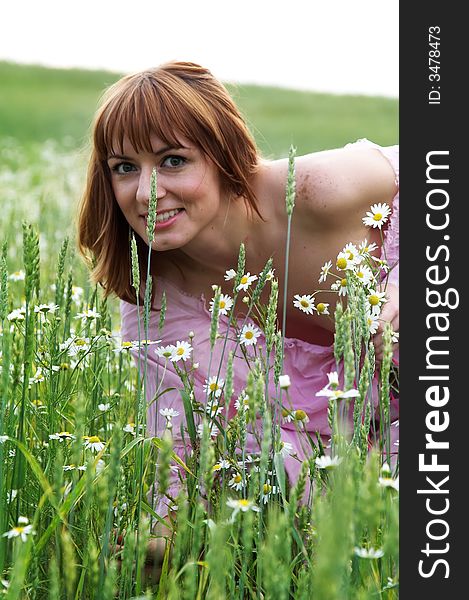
(188,191)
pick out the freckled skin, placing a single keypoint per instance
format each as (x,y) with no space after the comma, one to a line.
(334,190)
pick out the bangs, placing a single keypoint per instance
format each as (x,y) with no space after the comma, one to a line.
(139,110)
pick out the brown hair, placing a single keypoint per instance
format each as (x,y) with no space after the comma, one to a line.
(177,98)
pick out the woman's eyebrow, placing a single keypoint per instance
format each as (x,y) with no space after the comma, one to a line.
(160,151)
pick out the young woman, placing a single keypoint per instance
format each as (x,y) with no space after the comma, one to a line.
(214,193)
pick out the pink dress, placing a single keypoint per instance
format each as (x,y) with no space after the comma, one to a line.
(307,364)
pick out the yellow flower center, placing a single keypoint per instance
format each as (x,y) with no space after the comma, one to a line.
(360,274)
(222,304)
(249,335)
(350,255)
(285,412)
(94,439)
(304,303)
(213,387)
(64,433)
(80,342)
(216,467)
(18,529)
(320,307)
(180,351)
(267,488)
(244,502)
(126,344)
(237,479)
(300,415)
(377,217)
(244,279)
(373,300)
(343,282)
(341,263)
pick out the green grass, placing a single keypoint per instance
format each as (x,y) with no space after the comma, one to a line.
(38,103)
(289,549)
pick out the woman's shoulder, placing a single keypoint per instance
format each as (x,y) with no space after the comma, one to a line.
(341,179)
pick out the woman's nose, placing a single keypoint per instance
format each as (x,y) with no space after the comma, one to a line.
(144,186)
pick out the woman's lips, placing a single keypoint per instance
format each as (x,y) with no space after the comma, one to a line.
(167,222)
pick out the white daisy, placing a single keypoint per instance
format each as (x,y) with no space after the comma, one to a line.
(129,428)
(326,462)
(364,274)
(213,410)
(382,264)
(214,386)
(343,262)
(342,287)
(75,345)
(389,482)
(352,253)
(301,417)
(325,271)
(286,449)
(270,275)
(378,215)
(93,443)
(21,531)
(236,482)
(338,394)
(365,248)
(249,335)
(16,315)
(376,300)
(213,432)
(225,303)
(181,351)
(370,552)
(165,351)
(242,505)
(46,308)
(61,436)
(246,281)
(88,315)
(304,303)
(17,276)
(372,321)
(242,402)
(37,377)
(322,308)
(230,274)
(169,413)
(267,491)
(287,415)
(333,378)
(222,464)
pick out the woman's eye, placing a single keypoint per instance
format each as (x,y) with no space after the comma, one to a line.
(122,168)
(173,161)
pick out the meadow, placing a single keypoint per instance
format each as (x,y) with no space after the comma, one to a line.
(79,477)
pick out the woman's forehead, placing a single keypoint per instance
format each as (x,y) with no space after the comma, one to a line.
(152,142)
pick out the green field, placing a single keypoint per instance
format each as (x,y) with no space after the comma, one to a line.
(37,104)
(80,472)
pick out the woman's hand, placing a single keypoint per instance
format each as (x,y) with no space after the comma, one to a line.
(389,314)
